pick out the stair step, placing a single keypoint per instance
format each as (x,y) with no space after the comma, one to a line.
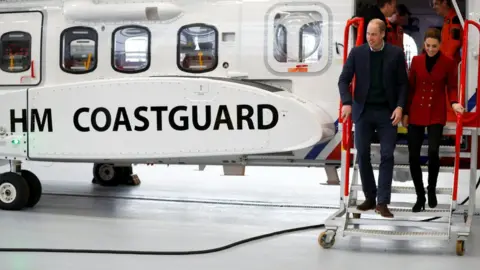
(362,221)
(396,235)
(445,150)
(406,211)
(449,129)
(407,167)
(408,190)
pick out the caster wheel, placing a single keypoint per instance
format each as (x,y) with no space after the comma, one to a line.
(356,215)
(14,191)
(133,180)
(324,242)
(460,247)
(34,186)
(128,178)
(106,174)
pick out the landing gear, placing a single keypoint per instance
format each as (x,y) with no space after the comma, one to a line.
(106,174)
(14,191)
(19,188)
(327,239)
(34,186)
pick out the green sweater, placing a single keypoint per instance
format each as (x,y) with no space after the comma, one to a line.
(376,92)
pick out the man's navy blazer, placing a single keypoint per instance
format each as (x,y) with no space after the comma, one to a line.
(395,78)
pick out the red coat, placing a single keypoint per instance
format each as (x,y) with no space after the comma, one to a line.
(427,97)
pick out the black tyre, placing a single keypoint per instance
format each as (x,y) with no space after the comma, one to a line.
(35,187)
(106,174)
(14,191)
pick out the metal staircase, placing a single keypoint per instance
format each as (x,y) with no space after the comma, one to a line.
(437,223)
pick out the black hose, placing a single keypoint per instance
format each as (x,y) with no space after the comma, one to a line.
(136,252)
(193,252)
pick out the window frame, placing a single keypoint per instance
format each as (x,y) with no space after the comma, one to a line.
(149,46)
(62,49)
(29,51)
(215,64)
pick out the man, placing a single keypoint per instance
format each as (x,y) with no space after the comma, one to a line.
(452,31)
(379,98)
(382,10)
(394,25)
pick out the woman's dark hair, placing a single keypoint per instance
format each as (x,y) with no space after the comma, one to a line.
(433,33)
(402,10)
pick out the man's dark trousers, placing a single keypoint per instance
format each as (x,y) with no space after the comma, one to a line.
(371,119)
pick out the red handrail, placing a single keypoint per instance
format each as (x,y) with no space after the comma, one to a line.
(347,127)
(459,128)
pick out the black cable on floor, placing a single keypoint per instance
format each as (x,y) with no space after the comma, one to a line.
(136,252)
(193,252)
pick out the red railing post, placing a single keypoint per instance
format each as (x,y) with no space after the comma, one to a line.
(347,125)
(461,100)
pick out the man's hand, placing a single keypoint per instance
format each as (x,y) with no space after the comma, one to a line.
(346,111)
(396,116)
(405,121)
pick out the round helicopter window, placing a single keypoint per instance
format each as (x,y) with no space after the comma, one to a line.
(307,27)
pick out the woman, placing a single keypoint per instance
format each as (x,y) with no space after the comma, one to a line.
(433,77)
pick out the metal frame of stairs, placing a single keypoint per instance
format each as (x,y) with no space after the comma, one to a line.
(440,224)
(436,224)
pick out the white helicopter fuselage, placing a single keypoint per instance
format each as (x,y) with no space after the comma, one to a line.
(193,82)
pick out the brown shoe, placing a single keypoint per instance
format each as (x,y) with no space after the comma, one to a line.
(383,210)
(367,205)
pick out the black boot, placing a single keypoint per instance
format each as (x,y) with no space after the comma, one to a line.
(432,198)
(419,205)
(433,166)
(419,190)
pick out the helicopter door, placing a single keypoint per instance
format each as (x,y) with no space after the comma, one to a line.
(21,47)
(473,56)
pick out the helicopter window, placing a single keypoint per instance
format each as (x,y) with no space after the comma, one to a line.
(308,48)
(280,47)
(131,49)
(411,49)
(197,49)
(16,47)
(311,42)
(78,49)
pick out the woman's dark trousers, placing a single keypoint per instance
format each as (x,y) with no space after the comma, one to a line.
(415,140)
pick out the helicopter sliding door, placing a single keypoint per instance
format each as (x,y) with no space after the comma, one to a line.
(21,48)
(472,57)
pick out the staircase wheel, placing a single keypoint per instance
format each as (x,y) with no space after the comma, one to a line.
(460,247)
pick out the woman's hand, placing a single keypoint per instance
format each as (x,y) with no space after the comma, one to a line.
(405,121)
(458,108)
